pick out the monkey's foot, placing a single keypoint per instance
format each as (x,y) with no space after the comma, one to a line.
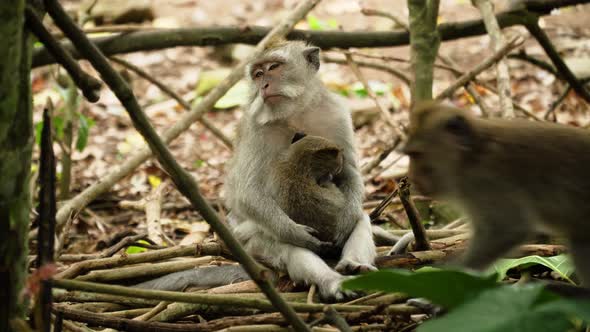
(331,291)
(348,266)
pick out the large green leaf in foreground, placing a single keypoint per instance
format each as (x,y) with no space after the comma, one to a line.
(478,303)
(444,287)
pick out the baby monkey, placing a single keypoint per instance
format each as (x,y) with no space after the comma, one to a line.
(306,190)
(512,177)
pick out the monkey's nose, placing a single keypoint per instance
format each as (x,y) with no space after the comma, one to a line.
(266,85)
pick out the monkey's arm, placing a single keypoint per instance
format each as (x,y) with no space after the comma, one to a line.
(352,186)
(262,208)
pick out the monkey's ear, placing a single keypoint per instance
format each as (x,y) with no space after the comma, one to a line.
(312,55)
(462,129)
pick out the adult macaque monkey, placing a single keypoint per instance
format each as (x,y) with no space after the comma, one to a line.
(512,177)
(288,97)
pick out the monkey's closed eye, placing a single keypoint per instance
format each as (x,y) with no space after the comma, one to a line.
(273,66)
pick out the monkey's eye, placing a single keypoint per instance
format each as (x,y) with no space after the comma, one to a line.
(258,73)
(273,66)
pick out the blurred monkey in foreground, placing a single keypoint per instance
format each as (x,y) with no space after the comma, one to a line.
(512,177)
(288,97)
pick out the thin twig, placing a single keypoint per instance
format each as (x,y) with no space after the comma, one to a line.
(122,28)
(384,111)
(397,20)
(211,248)
(89,85)
(368,167)
(534,61)
(400,75)
(555,104)
(532,25)
(167,90)
(414,218)
(46,236)
(366,298)
(382,205)
(197,298)
(488,62)
(153,209)
(333,317)
(486,8)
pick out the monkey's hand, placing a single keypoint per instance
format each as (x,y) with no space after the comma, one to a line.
(306,239)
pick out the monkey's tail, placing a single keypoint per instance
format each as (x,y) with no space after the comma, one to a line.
(210,276)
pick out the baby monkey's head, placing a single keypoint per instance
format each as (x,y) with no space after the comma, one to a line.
(315,156)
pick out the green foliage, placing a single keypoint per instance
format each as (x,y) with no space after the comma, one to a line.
(378,87)
(503,308)
(136,250)
(84,125)
(560,264)
(444,287)
(315,23)
(236,96)
(478,303)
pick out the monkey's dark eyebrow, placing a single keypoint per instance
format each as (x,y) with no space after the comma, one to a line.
(271,58)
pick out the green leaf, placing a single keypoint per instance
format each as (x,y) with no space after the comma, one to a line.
(314,23)
(332,23)
(198,163)
(444,287)
(510,308)
(359,90)
(578,308)
(236,96)
(58,126)
(136,250)
(560,264)
(84,126)
(209,79)
(38,130)
(379,87)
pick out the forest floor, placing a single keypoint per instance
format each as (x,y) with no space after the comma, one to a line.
(112,138)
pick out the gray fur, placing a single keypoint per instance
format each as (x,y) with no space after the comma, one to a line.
(211,276)
(265,132)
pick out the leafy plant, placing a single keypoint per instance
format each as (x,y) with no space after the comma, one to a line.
(315,23)
(478,302)
(84,125)
(560,264)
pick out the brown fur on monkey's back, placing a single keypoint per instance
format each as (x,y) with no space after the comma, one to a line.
(300,196)
(544,163)
(551,160)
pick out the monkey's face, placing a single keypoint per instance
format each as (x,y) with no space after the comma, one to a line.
(279,79)
(441,140)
